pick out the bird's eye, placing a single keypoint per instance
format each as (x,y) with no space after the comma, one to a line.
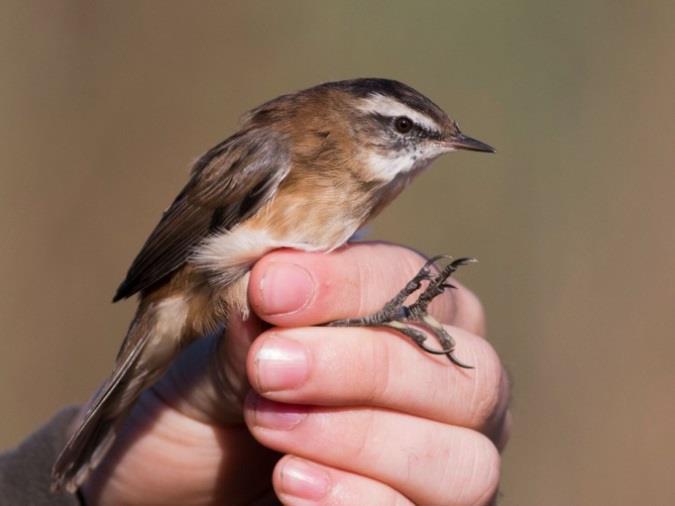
(403,124)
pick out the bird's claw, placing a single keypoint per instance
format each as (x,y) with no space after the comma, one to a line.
(403,318)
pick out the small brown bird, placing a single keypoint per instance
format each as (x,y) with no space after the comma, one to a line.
(306,171)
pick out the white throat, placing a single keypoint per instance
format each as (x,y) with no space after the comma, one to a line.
(386,167)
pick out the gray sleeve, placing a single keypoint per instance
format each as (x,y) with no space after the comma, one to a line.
(25,471)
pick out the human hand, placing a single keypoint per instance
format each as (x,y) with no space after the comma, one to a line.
(368,415)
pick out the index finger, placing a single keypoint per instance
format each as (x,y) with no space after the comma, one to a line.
(294,288)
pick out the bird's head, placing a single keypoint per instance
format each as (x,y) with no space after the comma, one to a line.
(390,127)
(401,130)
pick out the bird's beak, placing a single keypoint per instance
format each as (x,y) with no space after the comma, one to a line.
(461,141)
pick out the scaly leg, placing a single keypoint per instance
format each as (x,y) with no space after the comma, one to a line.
(404,318)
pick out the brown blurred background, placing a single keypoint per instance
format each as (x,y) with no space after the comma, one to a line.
(103,106)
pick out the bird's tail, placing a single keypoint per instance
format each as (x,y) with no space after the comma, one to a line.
(101,417)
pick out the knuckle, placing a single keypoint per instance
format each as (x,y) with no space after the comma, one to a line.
(363,295)
(490,387)
(470,311)
(357,448)
(376,360)
(472,473)
(482,486)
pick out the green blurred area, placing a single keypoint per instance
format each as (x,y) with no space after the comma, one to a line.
(104,105)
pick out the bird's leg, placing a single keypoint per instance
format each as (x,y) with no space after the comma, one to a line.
(404,318)
(394,309)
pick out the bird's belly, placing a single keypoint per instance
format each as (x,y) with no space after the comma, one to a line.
(226,256)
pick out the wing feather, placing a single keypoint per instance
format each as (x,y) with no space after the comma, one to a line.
(228,184)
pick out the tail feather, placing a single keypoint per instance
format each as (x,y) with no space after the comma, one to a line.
(102,415)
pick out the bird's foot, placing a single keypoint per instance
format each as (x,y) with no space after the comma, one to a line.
(407,319)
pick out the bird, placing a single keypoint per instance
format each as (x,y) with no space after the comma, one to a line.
(305,170)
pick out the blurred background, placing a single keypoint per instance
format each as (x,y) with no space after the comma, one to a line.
(103,106)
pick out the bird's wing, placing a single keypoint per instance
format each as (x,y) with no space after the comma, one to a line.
(228,184)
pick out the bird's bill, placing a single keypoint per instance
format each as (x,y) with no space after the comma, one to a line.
(461,141)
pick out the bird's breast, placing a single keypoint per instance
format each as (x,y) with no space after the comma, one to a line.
(308,213)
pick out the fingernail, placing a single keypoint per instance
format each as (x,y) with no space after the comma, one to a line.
(281,364)
(275,415)
(303,480)
(286,288)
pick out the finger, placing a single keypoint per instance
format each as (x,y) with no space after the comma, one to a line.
(300,482)
(373,367)
(292,288)
(428,462)
(207,381)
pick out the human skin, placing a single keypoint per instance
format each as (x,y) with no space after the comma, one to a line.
(332,415)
